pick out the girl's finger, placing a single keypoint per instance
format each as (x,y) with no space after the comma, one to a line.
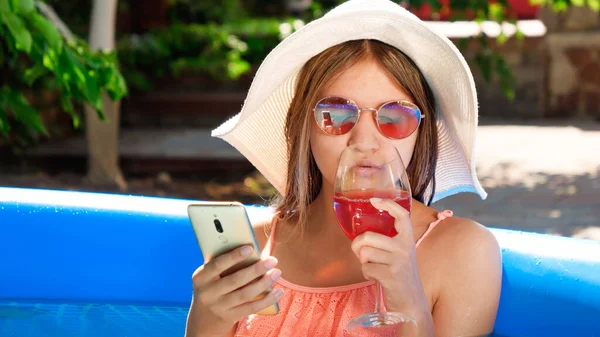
(374,240)
(250,291)
(369,254)
(402,216)
(376,271)
(211,270)
(255,306)
(240,278)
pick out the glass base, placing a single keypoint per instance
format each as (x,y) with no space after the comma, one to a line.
(381,323)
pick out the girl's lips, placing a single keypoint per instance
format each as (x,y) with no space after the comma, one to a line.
(366,163)
(365,170)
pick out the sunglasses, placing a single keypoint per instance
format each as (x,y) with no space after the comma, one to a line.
(395,119)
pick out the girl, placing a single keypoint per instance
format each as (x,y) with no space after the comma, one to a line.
(442,270)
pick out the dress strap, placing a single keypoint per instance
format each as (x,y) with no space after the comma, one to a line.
(440,216)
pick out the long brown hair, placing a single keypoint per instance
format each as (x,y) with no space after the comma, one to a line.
(304,180)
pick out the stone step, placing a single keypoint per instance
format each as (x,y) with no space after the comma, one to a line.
(181,110)
(147,151)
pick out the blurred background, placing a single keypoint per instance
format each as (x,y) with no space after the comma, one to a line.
(121,95)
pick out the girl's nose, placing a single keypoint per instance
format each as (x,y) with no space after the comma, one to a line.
(365,130)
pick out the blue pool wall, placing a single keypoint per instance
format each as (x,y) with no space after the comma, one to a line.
(76,247)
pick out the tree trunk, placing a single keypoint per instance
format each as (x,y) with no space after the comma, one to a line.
(103,136)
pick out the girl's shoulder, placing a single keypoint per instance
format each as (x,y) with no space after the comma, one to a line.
(464,253)
(459,238)
(453,232)
(460,231)
(468,263)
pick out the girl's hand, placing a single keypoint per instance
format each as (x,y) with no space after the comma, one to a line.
(219,302)
(393,262)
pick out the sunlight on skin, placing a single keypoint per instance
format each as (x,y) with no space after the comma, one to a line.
(335,268)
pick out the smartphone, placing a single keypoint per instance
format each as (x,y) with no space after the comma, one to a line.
(221,227)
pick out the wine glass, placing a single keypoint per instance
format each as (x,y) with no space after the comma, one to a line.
(368,170)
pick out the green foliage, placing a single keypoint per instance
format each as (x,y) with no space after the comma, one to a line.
(563,5)
(75,14)
(33,55)
(203,11)
(224,51)
(222,38)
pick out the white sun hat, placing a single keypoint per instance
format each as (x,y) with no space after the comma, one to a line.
(257,132)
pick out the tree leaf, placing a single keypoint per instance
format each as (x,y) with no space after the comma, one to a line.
(496,12)
(34,73)
(461,5)
(17,103)
(48,30)
(236,68)
(116,86)
(519,34)
(18,30)
(51,60)
(69,63)
(594,5)
(5,6)
(67,105)
(435,4)
(485,65)
(560,6)
(501,39)
(463,43)
(4,126)
(26,6)
(92,89)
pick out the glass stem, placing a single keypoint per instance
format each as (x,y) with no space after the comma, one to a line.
(379,300)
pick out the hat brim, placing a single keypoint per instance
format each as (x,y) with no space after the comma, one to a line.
(258,130)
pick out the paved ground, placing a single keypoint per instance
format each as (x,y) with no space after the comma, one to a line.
(543,178)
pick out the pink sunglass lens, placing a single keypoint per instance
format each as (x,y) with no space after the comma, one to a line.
(335,115)
(398,120)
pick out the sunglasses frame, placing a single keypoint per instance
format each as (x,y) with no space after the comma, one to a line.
(375,115)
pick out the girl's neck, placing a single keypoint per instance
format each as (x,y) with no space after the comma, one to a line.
(321,215)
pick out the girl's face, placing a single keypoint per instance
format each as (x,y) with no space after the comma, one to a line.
(369,87)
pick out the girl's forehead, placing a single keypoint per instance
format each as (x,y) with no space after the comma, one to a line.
(366,84)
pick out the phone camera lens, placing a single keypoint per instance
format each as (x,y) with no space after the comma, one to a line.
(218,226)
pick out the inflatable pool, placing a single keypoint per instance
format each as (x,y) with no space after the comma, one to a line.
(89,264)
